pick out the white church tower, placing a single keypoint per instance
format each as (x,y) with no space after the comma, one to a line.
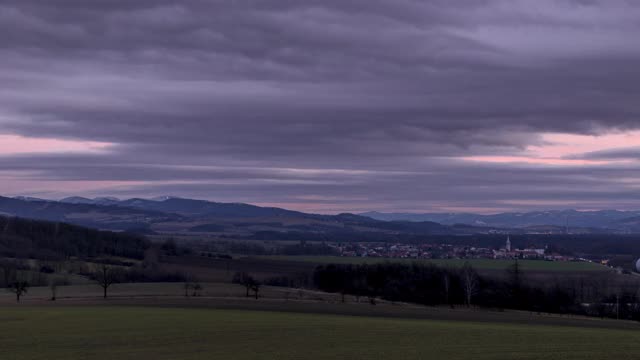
(508,244)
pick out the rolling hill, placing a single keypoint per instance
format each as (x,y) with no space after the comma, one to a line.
(603,219)
(113,217)
(238,220)
(176,215)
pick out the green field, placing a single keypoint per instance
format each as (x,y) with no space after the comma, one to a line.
(159,290)
(483,264)
(174,333)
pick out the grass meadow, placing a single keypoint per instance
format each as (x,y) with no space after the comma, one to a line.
(118,332)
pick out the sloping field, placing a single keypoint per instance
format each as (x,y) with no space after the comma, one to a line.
(30,333)
(39,295)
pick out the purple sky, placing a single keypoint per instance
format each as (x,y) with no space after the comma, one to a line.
(325,106)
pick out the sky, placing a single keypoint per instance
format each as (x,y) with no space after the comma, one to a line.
(324,106)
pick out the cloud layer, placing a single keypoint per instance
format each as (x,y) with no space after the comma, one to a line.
(325,105)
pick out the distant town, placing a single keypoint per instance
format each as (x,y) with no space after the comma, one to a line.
(448,251)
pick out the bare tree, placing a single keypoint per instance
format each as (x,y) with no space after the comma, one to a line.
(19,288)
(256,288)
(515,278)
(246,280)
(187,287)
(54,283)
(446,282)
(151,259)
(197,288)
(105,276)
(469,282)
(188,279)
(635,306)
(53,286)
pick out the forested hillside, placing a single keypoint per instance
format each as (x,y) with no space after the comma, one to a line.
(53,240)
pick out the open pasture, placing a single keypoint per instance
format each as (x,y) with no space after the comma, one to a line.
(91,292)
(35,333)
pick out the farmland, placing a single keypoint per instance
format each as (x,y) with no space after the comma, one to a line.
(114,332)
(89,292)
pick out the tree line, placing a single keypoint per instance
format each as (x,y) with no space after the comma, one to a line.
(36,239)
(432,285)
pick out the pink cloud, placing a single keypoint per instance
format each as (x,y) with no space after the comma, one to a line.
(531,160)
(556,149)
(15,144)
(563,145)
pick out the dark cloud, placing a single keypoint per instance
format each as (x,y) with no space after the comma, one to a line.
(218,99)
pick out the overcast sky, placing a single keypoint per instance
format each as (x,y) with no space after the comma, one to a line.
(324,106)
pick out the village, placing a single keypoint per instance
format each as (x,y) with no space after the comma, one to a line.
(447,251)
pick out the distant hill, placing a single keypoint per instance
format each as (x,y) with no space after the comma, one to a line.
(236,220)
(81,213)
(631,224)
(178,215)
(202,208)
(186,207)
(604,219)
(77,200)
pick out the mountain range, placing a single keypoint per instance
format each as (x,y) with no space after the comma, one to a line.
(568,219)
(179,215)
